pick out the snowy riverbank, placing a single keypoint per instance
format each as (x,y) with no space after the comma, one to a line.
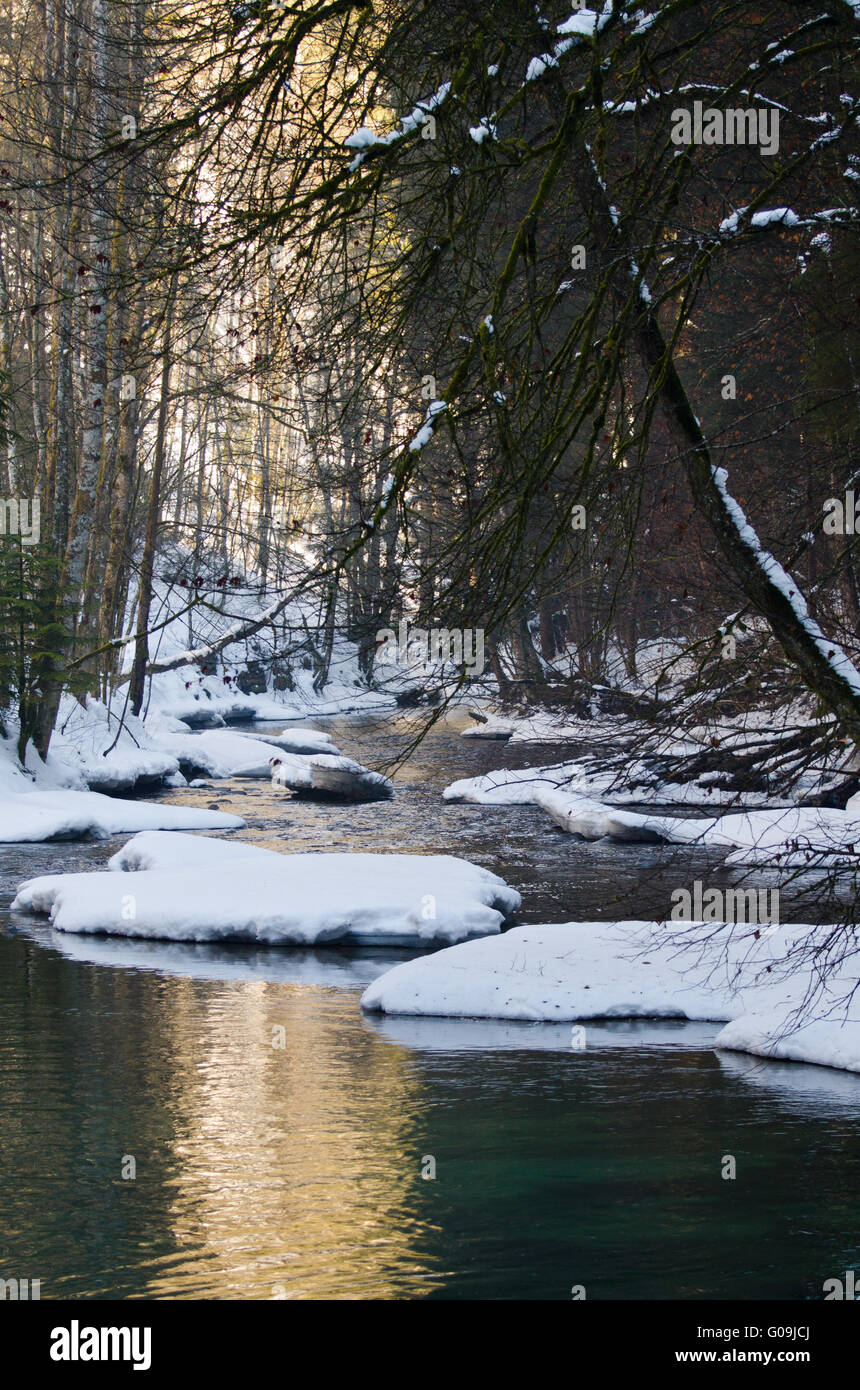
(753,982)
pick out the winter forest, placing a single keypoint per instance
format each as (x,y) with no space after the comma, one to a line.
(429,443)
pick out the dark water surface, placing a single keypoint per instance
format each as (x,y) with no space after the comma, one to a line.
(297,1173)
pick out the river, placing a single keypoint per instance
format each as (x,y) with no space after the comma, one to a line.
(267,1173)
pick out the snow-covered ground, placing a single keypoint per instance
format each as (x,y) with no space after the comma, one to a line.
(110,749)
(200,889)
(753,981)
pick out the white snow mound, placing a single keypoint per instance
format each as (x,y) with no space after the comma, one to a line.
(72,815)
(590,970)
(290,899)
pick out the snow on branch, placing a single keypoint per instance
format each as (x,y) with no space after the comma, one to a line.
(781,580)
(425,434)
(236,633)
(365,139)
(738,221)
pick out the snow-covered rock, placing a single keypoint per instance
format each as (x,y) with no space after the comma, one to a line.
(160,849)
(250,894)
(492,727)
(149,850)
(32,816)
(326,775)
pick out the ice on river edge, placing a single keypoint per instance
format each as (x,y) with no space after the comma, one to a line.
(191,888)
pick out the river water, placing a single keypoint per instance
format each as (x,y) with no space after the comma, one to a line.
(300,1172)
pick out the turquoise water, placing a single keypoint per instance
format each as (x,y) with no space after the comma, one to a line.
(297,1173)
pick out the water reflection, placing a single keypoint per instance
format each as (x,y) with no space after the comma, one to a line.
(327,966)
(292,1171)
(469,1034)
(807,1088)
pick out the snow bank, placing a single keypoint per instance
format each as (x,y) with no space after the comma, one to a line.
(14,779)
(786,837)
(797,836)
(516,786)
(824,1042)
(219,753)
(593,820)
(814,836)
(73,815)
(506,787)
(793,836)
(296,899)
(113,753)
(573,971)
(598,970)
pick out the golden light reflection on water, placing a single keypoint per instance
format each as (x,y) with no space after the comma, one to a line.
(293,1172)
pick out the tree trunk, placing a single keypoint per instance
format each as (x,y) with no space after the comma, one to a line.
(153,514)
